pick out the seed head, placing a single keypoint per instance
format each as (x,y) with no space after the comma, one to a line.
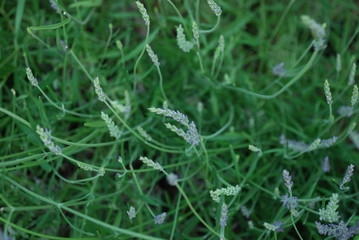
(152,55)
(143,11)
(31,77)
(214,7)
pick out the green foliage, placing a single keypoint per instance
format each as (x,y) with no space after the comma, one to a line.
(246,79)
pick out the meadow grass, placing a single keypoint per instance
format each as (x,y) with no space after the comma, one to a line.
(167,119)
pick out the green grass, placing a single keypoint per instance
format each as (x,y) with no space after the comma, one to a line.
(234,100)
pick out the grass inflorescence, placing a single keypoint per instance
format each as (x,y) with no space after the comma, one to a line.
(194,119)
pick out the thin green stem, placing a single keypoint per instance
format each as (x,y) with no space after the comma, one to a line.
(213,28)
(284,88)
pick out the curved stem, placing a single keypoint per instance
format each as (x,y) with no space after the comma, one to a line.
(214,27)
(194,210)
(139,58)
(139,136)
(161,84)
(285,87)
(63,109)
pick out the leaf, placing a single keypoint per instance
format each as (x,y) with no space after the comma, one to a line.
(89,3)
(51,26)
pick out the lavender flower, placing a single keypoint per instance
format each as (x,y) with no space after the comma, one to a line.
(352,74)
(191,136)
(294,145)
(101,96)
(220,47)
(328,94)
(131,213)
(159,219)
(355,95)
(175,115)
(245,211)
(143,11)
(112,127)
(228,191)
(31,77)
(287,180)
(55,6)
(255,149)
(347,176)
(325,143)
(276,227)
(224,215)
(46,137)
(345,111)
(152,55)
(215,8)
(291,203)
(172,179)
(150,163)
(279,69)
(195,31)
(330,213)
(318,32)
(325,164)
(340,231)
(183,44)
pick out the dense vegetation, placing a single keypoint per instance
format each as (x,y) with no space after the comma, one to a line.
(177,119)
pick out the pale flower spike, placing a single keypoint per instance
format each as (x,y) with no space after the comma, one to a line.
(46,138)
(220,47)
(31,77)
(224,215)
(151,163)
(191,136)
(318,32)
(328,94)
(355,95)
(352,74)
(254,149)
(347,177)
(214,7)
(183,44)
(55,6)
(131,213)
(101,96)
(329,213)
(159,219)
(152,55)
(143,11)
(113,129)
(195,31)
(228,191)
(172,179)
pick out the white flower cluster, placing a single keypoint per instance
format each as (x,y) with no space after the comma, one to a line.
(31,77)
(220,47)
(151,163)
(152,55)
(46,137)
(191,136)
(317,30)
(328,94)
(113,129)
(183,44)
(214,7)
(101,96)
(143,11)
(330,213)
(228,191)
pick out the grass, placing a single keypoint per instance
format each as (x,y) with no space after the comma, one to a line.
(231,95)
